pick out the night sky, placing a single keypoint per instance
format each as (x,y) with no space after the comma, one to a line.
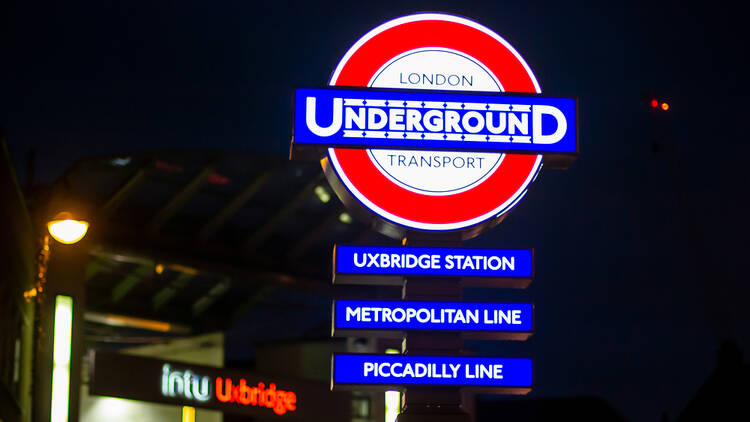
(641,245)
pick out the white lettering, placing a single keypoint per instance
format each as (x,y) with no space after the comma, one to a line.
(562,124)
(353,313)
(312,124)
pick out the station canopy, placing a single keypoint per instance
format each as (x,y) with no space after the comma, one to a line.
(202,239)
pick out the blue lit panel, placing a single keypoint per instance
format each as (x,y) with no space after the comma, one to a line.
(450,262)
(461,371)
(453,121)
(363,315)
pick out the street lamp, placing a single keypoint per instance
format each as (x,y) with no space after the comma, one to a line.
(65,229)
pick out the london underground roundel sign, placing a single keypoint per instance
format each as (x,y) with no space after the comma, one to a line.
(457,189)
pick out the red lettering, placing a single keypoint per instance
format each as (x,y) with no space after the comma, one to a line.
(223,394)
(280,407)
(261,396)
(254,396)
(279,401)
(291,401)
(271,396)
(244,393)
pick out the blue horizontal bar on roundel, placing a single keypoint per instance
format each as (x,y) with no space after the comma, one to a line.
(429,120)
(360,371)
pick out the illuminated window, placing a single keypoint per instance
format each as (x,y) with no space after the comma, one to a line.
(61,344)
(392,398)
(360,407)
(188,414)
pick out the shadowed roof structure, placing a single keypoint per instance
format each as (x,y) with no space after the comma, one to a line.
(198,239)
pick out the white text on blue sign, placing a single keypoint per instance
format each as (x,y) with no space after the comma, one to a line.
(423,315)
(429,120)
(431,370)
(459,262)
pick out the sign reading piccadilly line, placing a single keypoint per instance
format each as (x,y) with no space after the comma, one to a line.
(399,370)
(425,121)
(497,320)
(352,264)
(420,131)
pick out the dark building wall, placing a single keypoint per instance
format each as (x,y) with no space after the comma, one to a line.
(17,269)
(724,395)
(580,409)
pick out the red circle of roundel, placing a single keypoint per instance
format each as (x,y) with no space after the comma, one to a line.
(493,196)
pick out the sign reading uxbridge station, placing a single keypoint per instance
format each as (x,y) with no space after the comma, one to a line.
(432,124)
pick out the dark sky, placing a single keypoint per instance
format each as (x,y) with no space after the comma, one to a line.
(641,251)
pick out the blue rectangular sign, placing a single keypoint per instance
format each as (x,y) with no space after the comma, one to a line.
(353,315)
(375,118)
(356,261)
(461,371)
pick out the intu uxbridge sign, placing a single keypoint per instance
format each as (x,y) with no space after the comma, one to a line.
(433,122)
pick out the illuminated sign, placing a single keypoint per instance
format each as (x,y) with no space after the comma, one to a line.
(369,264)
(186,384)
(430,120)
(230,391)
(406,153)
(504,320)
(258,395)
(399,370)
(191,386)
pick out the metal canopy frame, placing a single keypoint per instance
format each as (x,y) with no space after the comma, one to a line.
(176,236)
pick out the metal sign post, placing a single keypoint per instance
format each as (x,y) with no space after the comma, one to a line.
(421,405)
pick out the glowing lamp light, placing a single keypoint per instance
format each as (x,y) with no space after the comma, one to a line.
(66,230)
(654,103)
(664,106)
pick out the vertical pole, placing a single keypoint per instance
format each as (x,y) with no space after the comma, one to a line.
(65,277)
(27,360)
(430,404)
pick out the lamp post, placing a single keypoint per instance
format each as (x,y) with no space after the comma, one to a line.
(60,345)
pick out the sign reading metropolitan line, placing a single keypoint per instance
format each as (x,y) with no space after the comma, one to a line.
(367,316)
(399,370)
(434,121)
